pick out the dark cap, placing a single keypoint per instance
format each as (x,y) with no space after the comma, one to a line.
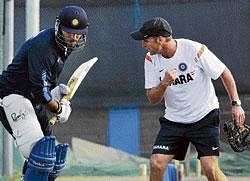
(73,19)
(154,27)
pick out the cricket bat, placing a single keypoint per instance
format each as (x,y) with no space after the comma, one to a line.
(75,81)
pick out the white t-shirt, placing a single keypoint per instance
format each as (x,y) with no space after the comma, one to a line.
(192,94)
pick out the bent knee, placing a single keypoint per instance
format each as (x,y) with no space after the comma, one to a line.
(210,165)
(212,172)
(156,168)
(158,163)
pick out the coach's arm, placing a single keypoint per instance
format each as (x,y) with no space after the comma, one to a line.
(156,94)
(238,113)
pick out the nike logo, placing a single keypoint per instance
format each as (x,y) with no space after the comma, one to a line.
(161,70)
(215,148)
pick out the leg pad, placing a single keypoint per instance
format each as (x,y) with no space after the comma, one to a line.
(61,154)
(41,160)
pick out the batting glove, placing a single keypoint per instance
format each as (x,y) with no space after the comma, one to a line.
(63,114)
(59,91)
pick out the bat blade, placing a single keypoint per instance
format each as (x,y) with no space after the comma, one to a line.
(77,77)
(75,80)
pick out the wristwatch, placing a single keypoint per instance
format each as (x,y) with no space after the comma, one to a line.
(236,103)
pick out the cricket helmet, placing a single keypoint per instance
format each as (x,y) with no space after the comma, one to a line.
(73,20)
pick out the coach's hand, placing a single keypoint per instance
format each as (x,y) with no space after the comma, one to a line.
(169,77)
(64,112)
(238,115)
(59,91)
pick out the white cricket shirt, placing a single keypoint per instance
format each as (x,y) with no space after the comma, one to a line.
(192,94)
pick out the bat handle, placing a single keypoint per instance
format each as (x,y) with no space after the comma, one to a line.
(53,120)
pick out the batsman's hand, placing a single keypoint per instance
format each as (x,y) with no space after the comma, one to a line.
(63,114)
(169,77)
(59,91)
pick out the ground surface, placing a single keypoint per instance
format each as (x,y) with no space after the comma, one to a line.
(140,179)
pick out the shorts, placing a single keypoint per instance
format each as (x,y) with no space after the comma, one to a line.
(174,138)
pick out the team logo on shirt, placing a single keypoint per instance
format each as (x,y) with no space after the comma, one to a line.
(184,78)
(182,67)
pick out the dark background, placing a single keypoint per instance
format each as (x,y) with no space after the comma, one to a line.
(118,77)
